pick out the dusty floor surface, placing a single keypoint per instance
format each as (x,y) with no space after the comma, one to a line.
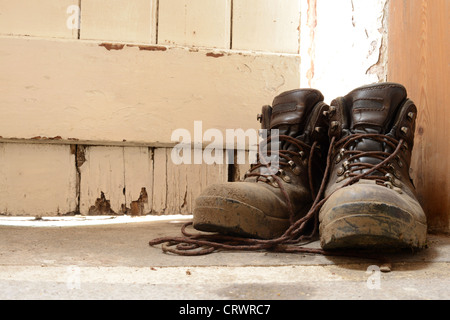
(115,262)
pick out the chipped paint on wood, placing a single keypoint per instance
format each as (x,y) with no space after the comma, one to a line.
(138,174)
(102,173)
(308,22)
(152,48)
(112,46)
(119,46)
(99,180)
(159,201)
(214,55)
(90,92)
(102,206)
(137,207)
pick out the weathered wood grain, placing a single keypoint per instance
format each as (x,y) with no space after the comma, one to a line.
(418,58)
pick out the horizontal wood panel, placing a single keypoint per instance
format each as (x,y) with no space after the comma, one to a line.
(97,91)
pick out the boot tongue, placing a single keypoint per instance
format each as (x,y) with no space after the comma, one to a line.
(372,107)
(290,110)
(371,110)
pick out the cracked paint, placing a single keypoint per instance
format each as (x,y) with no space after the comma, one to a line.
(312,24)
(343,44)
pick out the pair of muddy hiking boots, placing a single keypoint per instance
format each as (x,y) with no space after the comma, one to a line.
(343,170)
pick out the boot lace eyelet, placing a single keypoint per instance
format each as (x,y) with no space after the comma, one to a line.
(393,180)
(340,155)
(284,176)
(272,182)
(394,170)
(295,169)
(389,185)
(343,176)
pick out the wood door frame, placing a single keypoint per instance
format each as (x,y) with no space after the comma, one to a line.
(418,58)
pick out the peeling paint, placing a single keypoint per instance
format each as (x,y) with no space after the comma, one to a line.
(379,68)
(312,24)
(46,138)
(112,46)
(353,14)
(148,47)
(102,206)
(80,155)
(137,206)
(214,55)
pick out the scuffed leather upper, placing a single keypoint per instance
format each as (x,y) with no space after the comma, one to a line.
(378,109)
(295,113)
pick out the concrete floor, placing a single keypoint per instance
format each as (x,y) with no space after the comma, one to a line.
(115,262)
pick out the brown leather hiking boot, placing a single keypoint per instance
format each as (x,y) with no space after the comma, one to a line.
(266,203)
(372,202)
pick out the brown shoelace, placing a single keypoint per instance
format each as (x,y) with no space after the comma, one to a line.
(353,166)
(293,238)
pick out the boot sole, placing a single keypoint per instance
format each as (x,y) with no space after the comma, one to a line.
(369,225)
(230,216)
